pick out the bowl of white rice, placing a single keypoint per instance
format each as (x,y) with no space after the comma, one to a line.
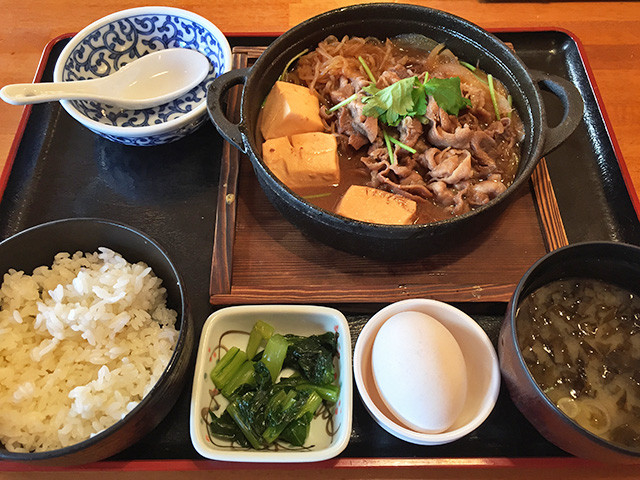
(95,340)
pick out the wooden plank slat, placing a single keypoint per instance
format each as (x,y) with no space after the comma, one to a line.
(222,257)
(550,218)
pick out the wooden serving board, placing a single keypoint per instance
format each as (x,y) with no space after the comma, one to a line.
(259,257)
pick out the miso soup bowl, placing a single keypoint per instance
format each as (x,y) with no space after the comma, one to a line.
(466,40)
(615,263)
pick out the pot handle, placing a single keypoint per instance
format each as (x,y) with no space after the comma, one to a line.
(221,85)
(573,105)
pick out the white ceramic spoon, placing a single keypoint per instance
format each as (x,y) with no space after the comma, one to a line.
(152,80)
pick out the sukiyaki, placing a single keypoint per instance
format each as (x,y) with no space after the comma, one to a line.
(391,132)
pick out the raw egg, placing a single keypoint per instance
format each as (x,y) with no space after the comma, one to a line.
(420,371)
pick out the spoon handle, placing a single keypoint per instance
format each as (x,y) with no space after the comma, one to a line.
(28,93)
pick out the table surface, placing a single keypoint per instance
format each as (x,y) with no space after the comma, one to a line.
(607,30)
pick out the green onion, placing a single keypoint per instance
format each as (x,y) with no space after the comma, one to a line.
(343,103)
(473,69)
(392,158)
(468,65)
(286,68)
(402,145)
(366,69)
(317,195)
(493,95)
(510,100)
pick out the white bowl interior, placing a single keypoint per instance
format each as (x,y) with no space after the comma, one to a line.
(294,319)
(481,361)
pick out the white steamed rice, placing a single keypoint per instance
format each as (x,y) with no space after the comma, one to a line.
(81,343)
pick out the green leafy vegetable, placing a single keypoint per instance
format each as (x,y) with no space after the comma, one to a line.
(228,367)
(327,392)
(248,414)
(296,432)
(260,332)
(261,410)
(242,376)
(274,354)
(281,411)
(225,428)
(313,356)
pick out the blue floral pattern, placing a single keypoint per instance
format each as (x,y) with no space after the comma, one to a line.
(115,44)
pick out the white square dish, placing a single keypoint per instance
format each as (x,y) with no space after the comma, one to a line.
(286,319)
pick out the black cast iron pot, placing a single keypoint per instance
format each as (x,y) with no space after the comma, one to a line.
(611,262)
(468,42)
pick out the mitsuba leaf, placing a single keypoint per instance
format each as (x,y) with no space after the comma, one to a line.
(408,98)
(392,103)
(447,94)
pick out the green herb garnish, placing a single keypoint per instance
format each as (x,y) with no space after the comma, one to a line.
(387,141)
(492,92)
(408,98)
(473,71)
(391,104)
(447,93)
(468,65)
(286,68)
(343,103)
(366,69)
(402,145)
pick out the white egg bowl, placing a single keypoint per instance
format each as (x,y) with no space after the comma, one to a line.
(483,372)
(229,323)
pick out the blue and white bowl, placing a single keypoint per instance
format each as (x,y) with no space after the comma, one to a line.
(117,39)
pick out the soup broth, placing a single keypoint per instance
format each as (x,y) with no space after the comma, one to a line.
(580,339)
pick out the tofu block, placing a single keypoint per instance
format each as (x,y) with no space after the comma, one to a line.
(305,160)
(276,154)
(376,206)
(290,109)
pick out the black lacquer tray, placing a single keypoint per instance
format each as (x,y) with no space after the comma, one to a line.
(59,169)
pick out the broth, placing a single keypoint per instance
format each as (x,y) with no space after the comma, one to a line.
(580,339)
(352,172)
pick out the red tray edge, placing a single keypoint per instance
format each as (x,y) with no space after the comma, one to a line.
(193,465)
(338,463)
